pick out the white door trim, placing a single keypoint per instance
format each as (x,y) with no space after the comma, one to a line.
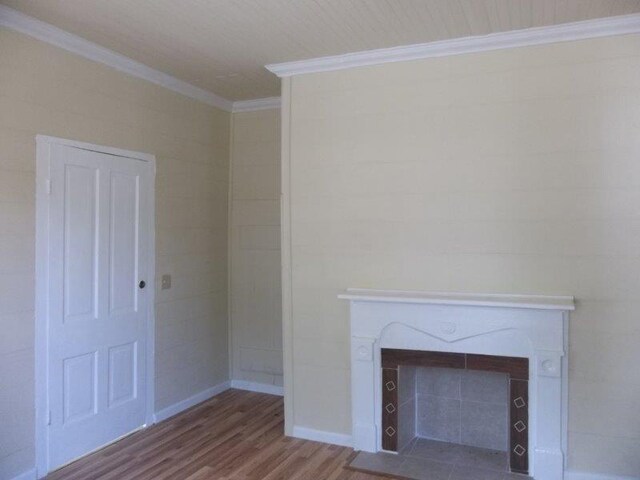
(43,186)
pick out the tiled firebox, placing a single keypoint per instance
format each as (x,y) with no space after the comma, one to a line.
(461,406)
(523,336)
(406,371)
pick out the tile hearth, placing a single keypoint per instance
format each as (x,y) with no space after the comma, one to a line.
(425,459)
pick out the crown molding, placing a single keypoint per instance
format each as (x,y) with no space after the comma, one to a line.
(601,27)
(267,103)
(46,32)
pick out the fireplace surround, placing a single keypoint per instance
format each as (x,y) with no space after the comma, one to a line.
(470,329)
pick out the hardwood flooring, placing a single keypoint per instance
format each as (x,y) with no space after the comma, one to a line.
(235,435)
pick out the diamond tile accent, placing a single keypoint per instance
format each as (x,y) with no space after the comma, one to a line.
(519,402)
(390,431)
(390,408)
(520,426)
(391,386)
(519,450)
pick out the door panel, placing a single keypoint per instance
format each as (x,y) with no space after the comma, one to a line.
(122,374)
(123,277)
(80,387)
(97,319)
(80,242)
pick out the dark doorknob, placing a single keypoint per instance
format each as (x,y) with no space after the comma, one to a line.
(142,284)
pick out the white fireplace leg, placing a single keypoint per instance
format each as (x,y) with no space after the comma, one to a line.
(549,457)
(363,389)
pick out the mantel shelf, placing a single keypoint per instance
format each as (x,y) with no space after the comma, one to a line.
(536,302)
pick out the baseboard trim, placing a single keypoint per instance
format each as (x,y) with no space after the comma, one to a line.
(181,406)
(573,475)
(322,436)
(28,475)
(257,387)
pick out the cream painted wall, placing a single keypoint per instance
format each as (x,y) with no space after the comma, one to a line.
(44,90)
(256,312)
(515,171)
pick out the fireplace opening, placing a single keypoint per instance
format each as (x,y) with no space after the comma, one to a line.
(465,410)
(465,407)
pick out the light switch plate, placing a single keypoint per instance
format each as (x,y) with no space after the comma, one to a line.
(166,282)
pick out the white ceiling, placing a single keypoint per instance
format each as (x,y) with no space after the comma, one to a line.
(223,45)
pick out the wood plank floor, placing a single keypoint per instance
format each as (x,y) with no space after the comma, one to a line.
(235,435)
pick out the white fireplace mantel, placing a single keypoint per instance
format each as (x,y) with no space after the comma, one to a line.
(540,302)
(530,326)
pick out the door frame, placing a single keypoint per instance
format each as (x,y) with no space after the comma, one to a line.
(43,189)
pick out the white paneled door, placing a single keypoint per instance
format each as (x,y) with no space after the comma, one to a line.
(97,299)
